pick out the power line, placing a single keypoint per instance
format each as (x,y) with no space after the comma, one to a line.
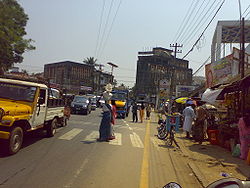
(100,26)
(183,29)
(198,22)
(204,30)
(105,27)
(111,27)
(182,23)
(193,33)
(191,23)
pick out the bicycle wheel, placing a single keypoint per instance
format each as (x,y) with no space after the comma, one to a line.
(162,133)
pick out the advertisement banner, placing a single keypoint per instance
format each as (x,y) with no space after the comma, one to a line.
(225,69)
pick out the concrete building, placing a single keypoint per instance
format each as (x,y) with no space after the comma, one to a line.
(101,79)
(74,77)
(227,32)
(157,65)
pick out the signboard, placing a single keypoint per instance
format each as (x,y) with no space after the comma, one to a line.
(225,69)
(181,89)
(164,84)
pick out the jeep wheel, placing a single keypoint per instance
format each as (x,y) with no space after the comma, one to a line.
(15,141)
(51,129)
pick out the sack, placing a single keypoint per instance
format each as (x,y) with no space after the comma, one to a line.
(236,151)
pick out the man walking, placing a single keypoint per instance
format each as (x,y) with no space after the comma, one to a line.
(134,112)
(189,116)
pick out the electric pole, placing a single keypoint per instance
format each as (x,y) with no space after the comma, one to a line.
(173,86)
(176,46)
(242,63)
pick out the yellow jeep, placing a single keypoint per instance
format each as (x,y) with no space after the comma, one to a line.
(25,106)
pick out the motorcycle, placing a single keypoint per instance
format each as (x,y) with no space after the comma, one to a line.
(222,183)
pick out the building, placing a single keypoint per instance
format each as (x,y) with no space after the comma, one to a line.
(159,66)
(101,79)
(76,77)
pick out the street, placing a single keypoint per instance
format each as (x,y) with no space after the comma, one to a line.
(73,158)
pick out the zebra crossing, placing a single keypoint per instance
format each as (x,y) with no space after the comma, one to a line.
(135,140)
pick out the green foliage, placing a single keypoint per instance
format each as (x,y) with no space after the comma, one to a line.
(90,61)
(12,30)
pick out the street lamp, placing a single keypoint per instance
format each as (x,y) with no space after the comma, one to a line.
(112,68)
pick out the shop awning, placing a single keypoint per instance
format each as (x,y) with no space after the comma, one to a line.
(210,95)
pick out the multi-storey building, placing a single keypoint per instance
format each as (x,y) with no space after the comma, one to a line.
(74,76)
(159,64)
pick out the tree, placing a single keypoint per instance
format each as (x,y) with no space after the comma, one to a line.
(90,61)
(12,31)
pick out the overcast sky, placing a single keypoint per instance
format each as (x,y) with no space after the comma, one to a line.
(69,30)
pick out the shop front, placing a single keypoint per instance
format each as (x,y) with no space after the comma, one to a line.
(231,126)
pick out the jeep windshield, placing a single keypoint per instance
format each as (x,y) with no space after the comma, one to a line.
(17,92)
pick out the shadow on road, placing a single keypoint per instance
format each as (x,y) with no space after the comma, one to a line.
(29,139)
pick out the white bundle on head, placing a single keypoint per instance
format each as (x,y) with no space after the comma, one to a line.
(107,95)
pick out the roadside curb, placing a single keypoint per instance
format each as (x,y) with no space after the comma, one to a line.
(193,167)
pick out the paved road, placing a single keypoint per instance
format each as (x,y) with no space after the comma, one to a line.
(73,158)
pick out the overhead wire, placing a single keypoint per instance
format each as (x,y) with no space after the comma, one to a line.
(100,26)
(193,33)
(188,19)
(111,27)
(198,22)
(204,31)
(183,21)
(194,19)
(105,27)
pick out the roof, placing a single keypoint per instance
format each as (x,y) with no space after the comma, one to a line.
(68,62)
(20,82)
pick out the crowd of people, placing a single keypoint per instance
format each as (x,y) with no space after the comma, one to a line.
(141,108)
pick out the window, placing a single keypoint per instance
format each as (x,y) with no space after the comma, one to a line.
(42,96)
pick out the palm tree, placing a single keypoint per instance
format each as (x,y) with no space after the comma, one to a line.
(90,61)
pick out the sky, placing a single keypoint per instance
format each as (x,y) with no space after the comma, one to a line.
(116,30)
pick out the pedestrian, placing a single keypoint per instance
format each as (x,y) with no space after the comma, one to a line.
(142,112)
(104,130)
(189,116)
(148,111)
(114,115)
(134,112)
(199,125)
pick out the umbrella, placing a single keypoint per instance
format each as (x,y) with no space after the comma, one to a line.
(181,100)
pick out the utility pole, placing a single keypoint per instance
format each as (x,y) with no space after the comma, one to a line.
(242,63)
(175,46)
(112,68)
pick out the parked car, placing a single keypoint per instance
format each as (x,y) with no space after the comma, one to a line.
(81,104)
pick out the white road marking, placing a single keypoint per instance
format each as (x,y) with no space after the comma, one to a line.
(136,141)
(130,128)
(76,174)
(92,136)
(127,124)
(117,140)
(71,134)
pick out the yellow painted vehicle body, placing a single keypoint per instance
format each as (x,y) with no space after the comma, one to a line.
(13,111)
(25,106)
(120,104)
